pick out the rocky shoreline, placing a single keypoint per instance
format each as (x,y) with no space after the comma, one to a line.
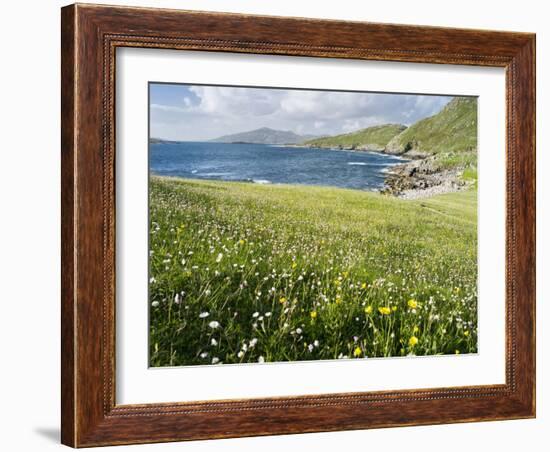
(422,178)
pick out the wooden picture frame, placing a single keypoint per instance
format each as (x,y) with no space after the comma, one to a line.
(90,36)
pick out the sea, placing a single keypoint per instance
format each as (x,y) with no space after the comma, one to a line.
(271,164)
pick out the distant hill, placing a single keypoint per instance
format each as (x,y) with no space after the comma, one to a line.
(370,139)
(453,129)
(265,135)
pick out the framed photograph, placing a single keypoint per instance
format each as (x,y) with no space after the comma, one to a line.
(281,225)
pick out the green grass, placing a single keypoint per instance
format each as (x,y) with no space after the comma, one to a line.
(290,273)
(375,137)
(453,129)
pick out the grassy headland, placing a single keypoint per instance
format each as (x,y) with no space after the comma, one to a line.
(372,138)
(246,273)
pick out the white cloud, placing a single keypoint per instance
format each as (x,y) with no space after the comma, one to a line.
(211,111)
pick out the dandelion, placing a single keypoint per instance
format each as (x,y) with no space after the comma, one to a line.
(313,314)
(219,257)
(466,333)
(364,286)
(357,352)
(282,300)
(294,264)
(412,303)
(416,329)
(368,310)
(203,315)
(413,341)
(155,304)
(384,310)
(214,324)
(241,242)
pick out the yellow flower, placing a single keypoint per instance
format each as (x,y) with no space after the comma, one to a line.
(457,289)
(294,264)
(282,300)
(338,299)
(368,309)
(241,242)
(416,329)
(413,341)
(364,285)
(345,274)
(313,314)
(412,303)
(457,352)
(466,333)
(357,352)
(394,308)
(384,310)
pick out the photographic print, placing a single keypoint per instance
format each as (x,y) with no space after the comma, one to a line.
(300,225)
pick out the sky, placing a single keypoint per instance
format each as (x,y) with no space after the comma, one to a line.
(200,113)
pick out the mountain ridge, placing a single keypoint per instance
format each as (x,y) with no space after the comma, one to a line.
(263,135)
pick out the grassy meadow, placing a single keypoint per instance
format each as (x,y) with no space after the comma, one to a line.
(244,273)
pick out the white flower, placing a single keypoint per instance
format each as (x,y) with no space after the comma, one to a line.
(183,261)
(240,354)
(268,314)
(203,315)
(310,347)
(219,257)
(255,315)
(215,360)
(204,355)
(298,330)
(214,324)
(152,280)
(213,342)
(261,359)
(253,342)
(155,304)
(177,299)
(208,292)
(316,343)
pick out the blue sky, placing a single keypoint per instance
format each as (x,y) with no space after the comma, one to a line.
(196,112)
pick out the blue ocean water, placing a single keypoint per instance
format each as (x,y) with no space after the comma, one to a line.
(269,164)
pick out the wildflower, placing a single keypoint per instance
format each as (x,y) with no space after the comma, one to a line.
(364,286)
(310,348)
(214,324)
(298,330)
(261,359)
(357,352)
(282,300)
(457,352)
(338,299)
(384,310)
(316,343)
(466,333)
(368,309)
(203,315)
(313,314)
(394,308)
(253,342)
(204,355)
(413,341)
(268,314)
(213,342)
(255,315)
(294,264)
(152,280)
(208,292)
(219,257)
(155,304)
(412,303)
(241,242)
(240,354)
(415,329)
(215,360)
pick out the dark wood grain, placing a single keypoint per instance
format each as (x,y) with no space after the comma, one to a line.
(90,36)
